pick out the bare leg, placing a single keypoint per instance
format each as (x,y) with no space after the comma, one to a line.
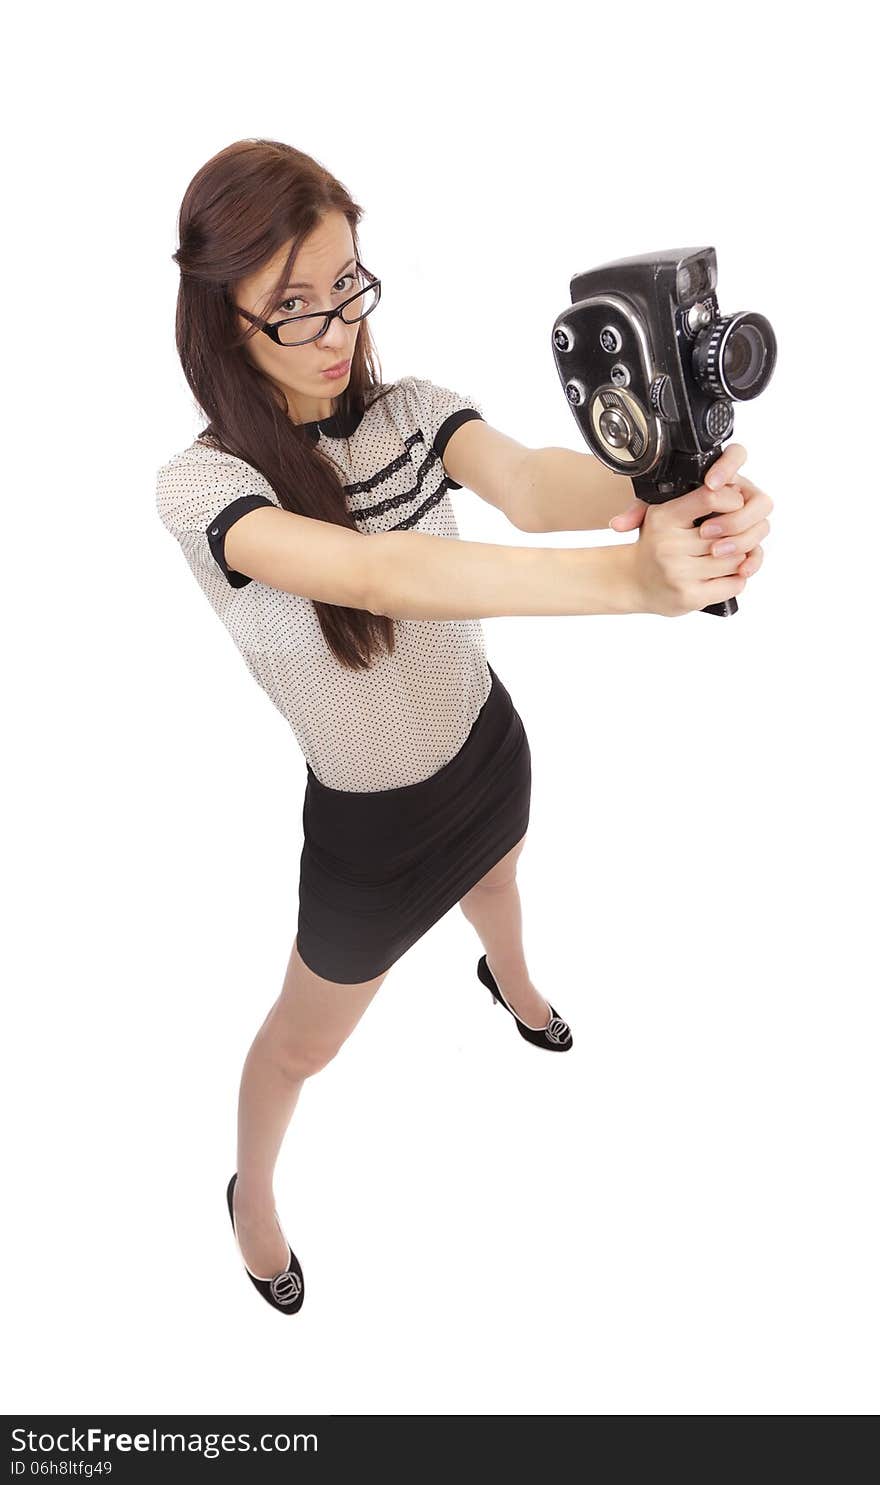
(493,907)
(305,1028)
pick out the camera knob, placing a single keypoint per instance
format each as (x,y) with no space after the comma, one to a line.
(615,429)
(718,419)
(622,428)
(662,399)
(698,317)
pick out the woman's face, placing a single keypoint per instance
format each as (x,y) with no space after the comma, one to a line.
(322,276)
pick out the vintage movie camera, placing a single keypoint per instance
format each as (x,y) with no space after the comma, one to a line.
(651,369)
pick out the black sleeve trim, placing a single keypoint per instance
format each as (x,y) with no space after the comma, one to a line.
(446,430)
(216,533)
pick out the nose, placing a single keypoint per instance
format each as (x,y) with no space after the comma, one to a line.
(335,337)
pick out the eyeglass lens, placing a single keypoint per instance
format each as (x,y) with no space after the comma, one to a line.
(292,332)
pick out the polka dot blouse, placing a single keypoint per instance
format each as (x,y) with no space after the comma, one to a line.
(410,712)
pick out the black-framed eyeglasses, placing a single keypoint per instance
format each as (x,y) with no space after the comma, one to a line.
(297,329)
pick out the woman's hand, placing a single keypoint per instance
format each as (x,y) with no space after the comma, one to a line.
(741,528)
(671,581)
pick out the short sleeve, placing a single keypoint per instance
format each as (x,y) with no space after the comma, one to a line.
(440,411)
(199,496)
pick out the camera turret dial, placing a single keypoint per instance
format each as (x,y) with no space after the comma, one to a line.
(620,425)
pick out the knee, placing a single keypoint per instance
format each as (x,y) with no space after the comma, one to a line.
(301,1059)
(498,879)
(502,883)
(492,886)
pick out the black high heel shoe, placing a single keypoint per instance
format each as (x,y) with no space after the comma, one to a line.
(555,1036)
(286,1291)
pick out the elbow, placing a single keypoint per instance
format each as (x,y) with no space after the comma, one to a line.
(523,506)
(532,528)
(524,519)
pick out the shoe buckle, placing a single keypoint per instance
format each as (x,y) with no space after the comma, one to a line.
(556,1030)
(285,1288)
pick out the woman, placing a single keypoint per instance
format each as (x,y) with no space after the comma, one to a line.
(314,512)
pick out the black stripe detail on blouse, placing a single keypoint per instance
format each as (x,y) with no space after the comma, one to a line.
(216,533)
(357,486)
(446,430)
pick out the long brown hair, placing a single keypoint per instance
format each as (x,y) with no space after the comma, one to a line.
(239,209)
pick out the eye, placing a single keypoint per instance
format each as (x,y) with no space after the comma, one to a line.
(286,304)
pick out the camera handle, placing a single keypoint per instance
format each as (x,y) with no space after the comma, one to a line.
(678,475)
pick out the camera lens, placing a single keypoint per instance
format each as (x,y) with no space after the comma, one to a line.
(735,356)
(744,358)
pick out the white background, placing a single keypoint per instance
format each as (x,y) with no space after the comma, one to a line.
(681,1214)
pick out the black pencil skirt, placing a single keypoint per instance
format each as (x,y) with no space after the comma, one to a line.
(379,868)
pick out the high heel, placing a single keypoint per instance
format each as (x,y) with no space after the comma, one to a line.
(555,1036)
(286,1291)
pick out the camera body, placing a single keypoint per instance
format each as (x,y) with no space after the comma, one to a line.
(651,368)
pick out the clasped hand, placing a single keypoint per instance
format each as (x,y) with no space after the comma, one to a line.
(737,533)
